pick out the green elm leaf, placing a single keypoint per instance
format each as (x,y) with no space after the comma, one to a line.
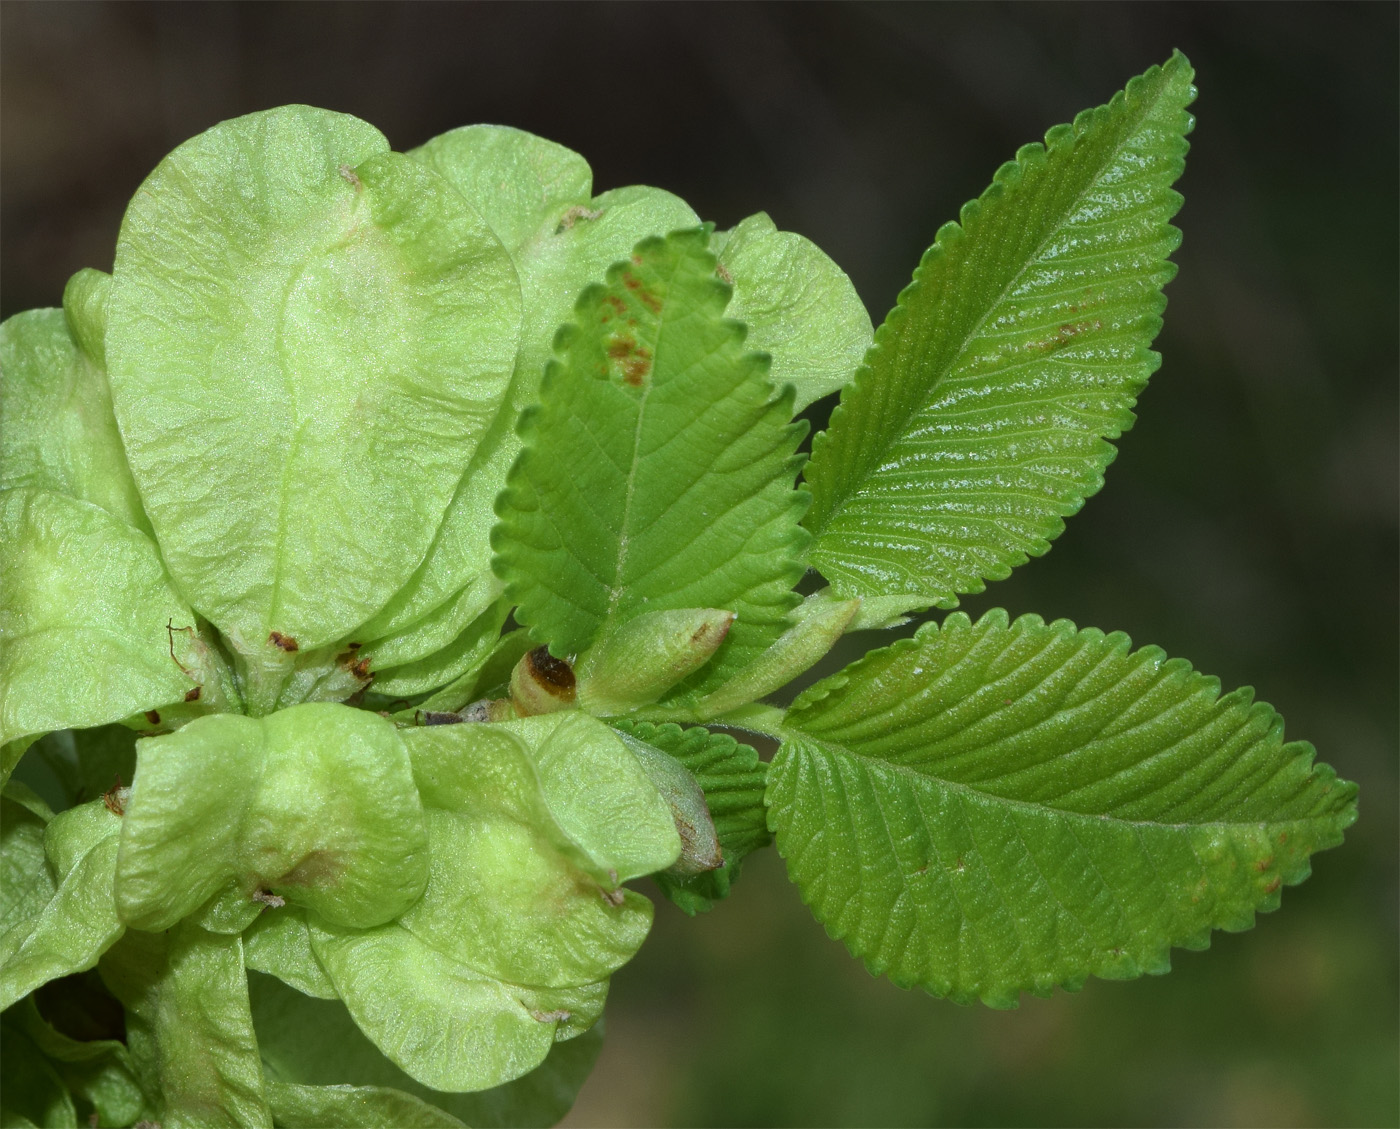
(190,1027)
(536,196)
(445,1024)
(799,306)
(307,337)
(85,615)
(657,471)
(78,922)
(733,779)
(994,808)
(315,803)
(981,417)
(315,1043)
(59,432)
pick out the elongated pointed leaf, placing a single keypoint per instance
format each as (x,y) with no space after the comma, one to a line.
(57,430)
(316,803)
(733,779)
(658,470)
(1003,807)
(314,1043)
(800,307)
(301,372)
(536,196)
(980,419)
(85,607)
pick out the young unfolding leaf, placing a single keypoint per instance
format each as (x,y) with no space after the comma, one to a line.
(302,371)
(77,923)
(536,196)
(993,808)
(86,610)
(315,803)
(799,306)
(189,1026)
(59,432)
(732,778)
(980,419)
(657,472)
(314,1044)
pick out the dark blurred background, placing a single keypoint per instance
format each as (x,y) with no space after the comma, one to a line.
(1250,523)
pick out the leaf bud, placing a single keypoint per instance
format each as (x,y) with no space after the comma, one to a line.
(540,683)
(636,663)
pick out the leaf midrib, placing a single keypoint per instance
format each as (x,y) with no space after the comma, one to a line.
(973,333)
(791,736)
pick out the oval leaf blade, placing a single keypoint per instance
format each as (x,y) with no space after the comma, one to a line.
(1002,807)
(981,417)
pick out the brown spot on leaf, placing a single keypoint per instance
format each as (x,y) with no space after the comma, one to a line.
(616,302)
(193,695)
(284,642)
(1264,864)
(647,298)
(1063,336)
(349,174)
(153,716)
(1274,885)
(633,360)
(724,274)
(353,646)
(268,898)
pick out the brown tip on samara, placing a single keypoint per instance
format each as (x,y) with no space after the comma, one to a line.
(554,675)
(283,642)
(193,695)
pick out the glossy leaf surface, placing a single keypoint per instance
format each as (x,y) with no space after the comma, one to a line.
(995,808)
(981,417)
